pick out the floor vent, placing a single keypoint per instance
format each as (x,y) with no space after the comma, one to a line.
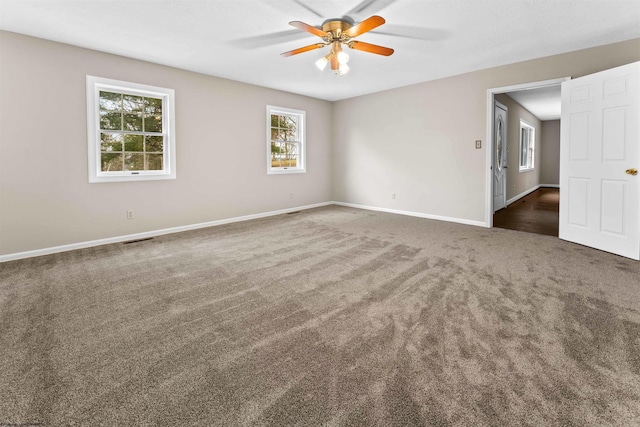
(136,241)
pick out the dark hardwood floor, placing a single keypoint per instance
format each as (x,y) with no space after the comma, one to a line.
(537,212)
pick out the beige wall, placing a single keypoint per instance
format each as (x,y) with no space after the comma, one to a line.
(45,197)
(520,182)
(418,141)
(550,155)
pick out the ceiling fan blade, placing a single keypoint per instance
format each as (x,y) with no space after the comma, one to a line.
(415,33)
(264,40)
(364,26)
(308,28)
(371,48)
(308,8)
(370,6)
(303,49)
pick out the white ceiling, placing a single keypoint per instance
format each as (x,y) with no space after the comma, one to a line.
(542,102)
(242,39)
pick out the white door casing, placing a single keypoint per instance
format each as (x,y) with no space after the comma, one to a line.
(600,148)
(499,156)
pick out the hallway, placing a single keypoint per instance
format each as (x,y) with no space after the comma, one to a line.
(537,212)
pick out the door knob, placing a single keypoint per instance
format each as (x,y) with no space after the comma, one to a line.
(632,171)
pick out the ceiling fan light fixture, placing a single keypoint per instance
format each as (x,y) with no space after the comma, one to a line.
(343,57)
(322,62)
(343,69)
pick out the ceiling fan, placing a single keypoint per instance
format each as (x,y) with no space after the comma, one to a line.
(336,33)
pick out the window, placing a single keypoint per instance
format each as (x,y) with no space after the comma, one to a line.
(527,146)
(285,140)
(130,131)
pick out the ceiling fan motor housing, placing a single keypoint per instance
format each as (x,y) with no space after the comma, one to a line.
(336,31)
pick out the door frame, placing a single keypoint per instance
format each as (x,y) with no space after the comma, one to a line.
(490,149)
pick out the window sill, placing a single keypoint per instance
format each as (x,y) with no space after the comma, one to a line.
(285,171)
(130,178)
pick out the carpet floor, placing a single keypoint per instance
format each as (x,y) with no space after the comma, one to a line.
(332,316)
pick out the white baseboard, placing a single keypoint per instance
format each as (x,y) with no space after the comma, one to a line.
(147,234)
(549,185)
(154,233)
(416,214)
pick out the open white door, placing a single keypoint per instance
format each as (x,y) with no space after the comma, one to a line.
(600,150)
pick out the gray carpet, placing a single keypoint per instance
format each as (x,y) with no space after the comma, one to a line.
(332,316)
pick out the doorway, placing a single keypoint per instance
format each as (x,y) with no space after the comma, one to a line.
(531,203)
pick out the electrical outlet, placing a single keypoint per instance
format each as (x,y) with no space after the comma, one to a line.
(393,196)
(478,144)
(130,215)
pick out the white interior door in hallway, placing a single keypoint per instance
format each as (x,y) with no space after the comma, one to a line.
(500,156)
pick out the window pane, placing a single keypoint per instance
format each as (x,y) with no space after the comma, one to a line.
(132,104)
(110,120)
(290,122)
(133,142)
(132,122)
(290,155)
(154,162)
(153,123)
(110,142)
(290,135)
(277,152)
(154,144)
(274,120)
(284,154)
(279,135)
(134,161)
(110,162)
(153,106)
(110,101)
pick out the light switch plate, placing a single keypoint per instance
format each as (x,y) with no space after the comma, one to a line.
(478,143)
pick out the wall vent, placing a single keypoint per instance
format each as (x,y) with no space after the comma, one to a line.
(136,241)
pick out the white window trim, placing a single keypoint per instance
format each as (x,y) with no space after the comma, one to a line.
(94,86)
(302,164)
(525,125)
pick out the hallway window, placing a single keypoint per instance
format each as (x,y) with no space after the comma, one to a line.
(527,146)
